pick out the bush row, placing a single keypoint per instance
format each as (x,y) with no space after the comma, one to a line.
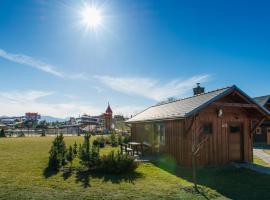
(89,157)
(114,140)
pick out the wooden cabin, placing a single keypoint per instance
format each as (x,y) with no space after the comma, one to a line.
(216,126)
(262,133)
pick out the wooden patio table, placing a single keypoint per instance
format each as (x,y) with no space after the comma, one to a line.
(135,146)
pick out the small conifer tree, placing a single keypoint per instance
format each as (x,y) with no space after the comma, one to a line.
(57,158)
(70,155)
(114,141)
(2,133)
(88,155)
(120,139)
(75,149)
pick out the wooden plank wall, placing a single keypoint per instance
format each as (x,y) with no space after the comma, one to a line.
(216,149)
(268,138)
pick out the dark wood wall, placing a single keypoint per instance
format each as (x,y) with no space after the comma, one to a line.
(215,150)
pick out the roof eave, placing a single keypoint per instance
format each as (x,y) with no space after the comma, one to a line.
(198,109)
(154,120)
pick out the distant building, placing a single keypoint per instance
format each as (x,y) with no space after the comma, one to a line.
(11,120)
(118,118)
(32,116)
(72,121)
(88,120)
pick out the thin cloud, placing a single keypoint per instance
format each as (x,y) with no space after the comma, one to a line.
(14,103)
(151,88)
(32,62)
(40,65)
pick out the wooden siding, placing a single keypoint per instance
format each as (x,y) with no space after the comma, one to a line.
(216,150)
(268,138)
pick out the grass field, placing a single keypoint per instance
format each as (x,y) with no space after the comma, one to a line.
(23,160)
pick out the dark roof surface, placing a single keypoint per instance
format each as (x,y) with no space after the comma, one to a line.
(186,107)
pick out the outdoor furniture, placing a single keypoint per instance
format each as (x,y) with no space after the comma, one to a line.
(126,149)
(136,147)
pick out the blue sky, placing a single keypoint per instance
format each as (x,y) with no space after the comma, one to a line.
(144,52)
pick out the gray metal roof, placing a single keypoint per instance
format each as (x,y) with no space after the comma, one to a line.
(186,107)
(262,100)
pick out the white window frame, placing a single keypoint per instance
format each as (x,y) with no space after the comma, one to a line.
(259,131)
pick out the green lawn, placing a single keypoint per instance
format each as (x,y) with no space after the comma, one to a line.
(23,160)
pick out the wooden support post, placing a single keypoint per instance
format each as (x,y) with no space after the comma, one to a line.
(257,125)
(121,148)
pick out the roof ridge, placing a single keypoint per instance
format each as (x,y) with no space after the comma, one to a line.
(181,99)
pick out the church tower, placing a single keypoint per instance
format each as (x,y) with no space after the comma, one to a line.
(108,117)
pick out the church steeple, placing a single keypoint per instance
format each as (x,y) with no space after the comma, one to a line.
(109,110)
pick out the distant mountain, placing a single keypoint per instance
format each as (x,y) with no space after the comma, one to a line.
(51,119)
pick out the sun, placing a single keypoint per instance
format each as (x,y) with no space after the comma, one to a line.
(91,17)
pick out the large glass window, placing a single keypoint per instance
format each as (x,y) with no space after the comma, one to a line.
(161,133)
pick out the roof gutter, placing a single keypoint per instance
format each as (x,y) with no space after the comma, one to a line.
(154,120)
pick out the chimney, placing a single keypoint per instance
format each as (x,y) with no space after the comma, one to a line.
(198,90)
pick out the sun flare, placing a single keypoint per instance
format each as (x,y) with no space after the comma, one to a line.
(91,17)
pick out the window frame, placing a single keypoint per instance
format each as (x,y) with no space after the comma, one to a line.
(210,127)
(161,133)
(259,130)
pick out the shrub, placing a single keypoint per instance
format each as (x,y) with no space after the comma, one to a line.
(89,155)
(57,158)
(99,141)
(120,139)
(2,133)
(126,139)
(96,142)
(43,133)
(113,139)
(106,140)
(117,163)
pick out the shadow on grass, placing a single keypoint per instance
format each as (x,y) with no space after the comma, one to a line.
(67,173)
(231,182)
(48,172)
(85,177)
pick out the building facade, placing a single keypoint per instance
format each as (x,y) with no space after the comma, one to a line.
(262,134)
(217,127)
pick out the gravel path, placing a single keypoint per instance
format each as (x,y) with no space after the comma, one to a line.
(262,155)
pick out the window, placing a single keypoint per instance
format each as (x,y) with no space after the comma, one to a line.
(207,128)
(235,129)
(161,132)
(259,131)
(268,130)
